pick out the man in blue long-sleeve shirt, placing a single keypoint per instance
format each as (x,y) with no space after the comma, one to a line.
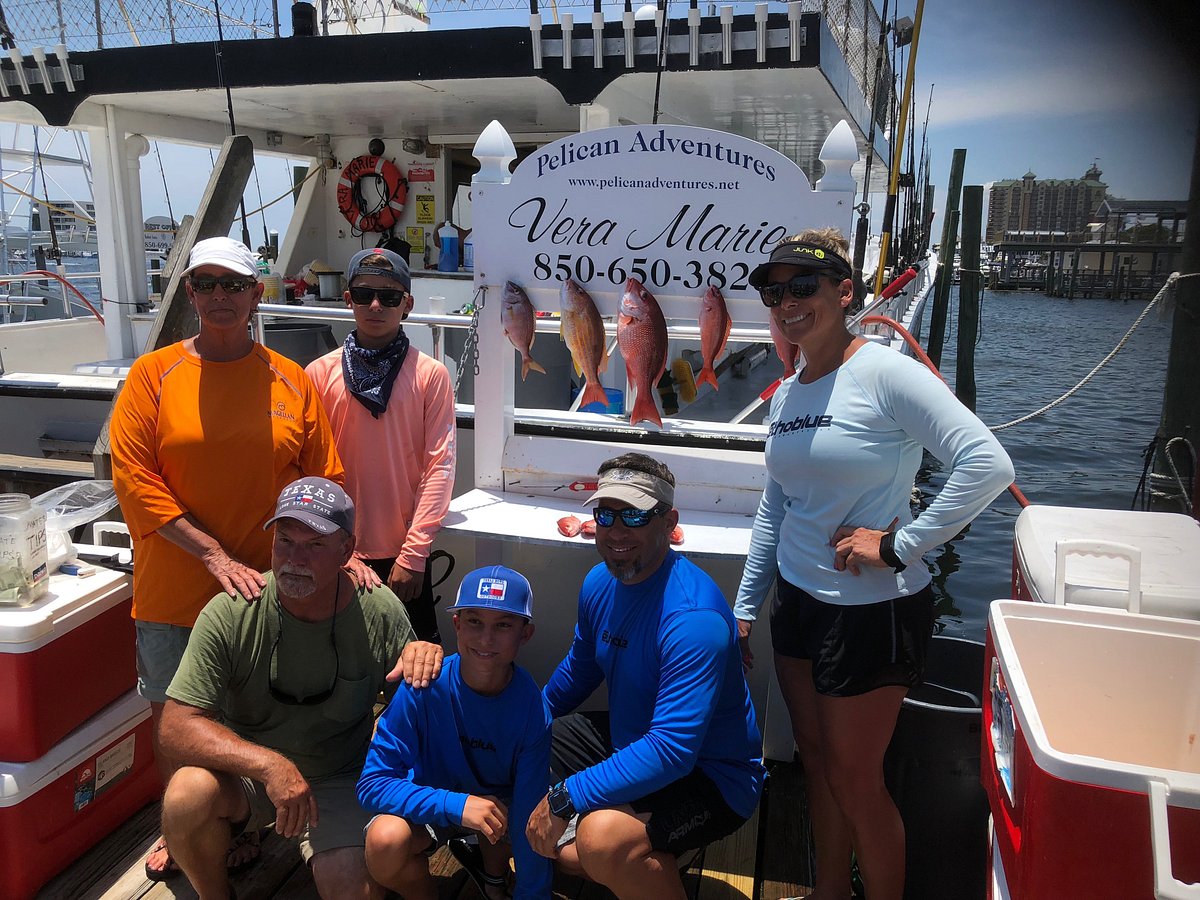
(468,754)
(681,764)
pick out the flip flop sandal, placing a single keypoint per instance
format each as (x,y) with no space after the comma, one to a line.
(166,874)
(246,838)
(471,859)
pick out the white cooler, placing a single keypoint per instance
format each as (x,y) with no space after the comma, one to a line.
(1122,559)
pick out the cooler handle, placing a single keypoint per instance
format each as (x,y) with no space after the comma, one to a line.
(1111,549)
(1166,886)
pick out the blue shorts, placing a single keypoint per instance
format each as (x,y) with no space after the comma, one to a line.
(159,650)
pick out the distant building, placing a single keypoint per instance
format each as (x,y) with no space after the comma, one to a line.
(1051,205)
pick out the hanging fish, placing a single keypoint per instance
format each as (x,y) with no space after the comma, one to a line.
(714,332)
(642,337)
(788,352)
(517,317)
(583,330)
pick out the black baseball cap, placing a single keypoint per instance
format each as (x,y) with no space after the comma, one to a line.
(802,255)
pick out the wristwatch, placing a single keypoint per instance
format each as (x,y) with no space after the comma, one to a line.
(559,799)
(887,552)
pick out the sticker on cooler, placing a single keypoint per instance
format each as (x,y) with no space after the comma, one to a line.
(96,776)
(1003,729)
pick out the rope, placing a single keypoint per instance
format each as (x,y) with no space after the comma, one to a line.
(1170,285)
(66,212)
(286,193)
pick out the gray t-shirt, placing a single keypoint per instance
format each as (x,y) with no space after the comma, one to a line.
(227,668)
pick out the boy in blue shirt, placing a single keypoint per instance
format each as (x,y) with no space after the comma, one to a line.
(468,754)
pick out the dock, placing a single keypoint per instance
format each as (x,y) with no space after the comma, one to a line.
(769,857)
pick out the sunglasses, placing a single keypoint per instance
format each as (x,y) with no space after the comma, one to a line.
(205,285)
(798,286)
(630,517)
(280,695)
(362,296)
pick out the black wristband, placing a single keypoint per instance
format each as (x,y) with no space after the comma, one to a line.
(887,552)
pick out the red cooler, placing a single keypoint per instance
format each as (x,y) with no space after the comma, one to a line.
(1101,552)
(63,659)
(55,808)
(1090,759)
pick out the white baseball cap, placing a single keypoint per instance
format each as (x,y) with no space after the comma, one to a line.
(224,252)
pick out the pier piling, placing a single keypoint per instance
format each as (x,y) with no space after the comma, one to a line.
(941,295)
(968,294)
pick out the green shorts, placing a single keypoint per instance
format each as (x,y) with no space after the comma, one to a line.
(159,649)
(341,822)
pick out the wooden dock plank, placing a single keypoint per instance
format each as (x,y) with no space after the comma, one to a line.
(729,865)
(786,866)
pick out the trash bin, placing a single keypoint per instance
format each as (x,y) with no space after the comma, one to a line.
(932,771)
(301,342)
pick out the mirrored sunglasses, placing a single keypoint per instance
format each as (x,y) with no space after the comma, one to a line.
(362,296)
(203,285)
(630,517)
(798,286)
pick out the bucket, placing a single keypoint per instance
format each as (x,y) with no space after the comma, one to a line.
(932,772)
(615,405)
(330,285)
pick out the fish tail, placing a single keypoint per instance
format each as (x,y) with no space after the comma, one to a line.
(530,363)
(708,376)
(593,393)
(644,410)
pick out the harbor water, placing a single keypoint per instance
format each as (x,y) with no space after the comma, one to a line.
(1085,452)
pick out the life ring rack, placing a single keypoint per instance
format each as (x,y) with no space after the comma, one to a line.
(349,199)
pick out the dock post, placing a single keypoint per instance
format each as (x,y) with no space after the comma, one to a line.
(1074,274)
(941,295)
(968,295)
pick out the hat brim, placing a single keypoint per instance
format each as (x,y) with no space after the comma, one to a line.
(625,493)
(758,277)
(221,264)
(313,521)
(480,604)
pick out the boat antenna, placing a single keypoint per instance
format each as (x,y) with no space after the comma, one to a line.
(219,49)
(661,56)
(885,236)
(860,233)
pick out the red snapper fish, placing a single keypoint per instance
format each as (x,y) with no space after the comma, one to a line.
(788,352)
(517,317)
(642,337)
(583,330)
(714,332)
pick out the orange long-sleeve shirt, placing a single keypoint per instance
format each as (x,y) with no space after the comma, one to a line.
(399,467)
(218,440)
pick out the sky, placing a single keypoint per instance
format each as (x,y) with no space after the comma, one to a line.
(1042,85)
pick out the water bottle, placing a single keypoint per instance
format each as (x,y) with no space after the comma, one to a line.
(447,248)
(469,252)
(24,573)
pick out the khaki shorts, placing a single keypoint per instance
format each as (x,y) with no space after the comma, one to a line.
(340,820)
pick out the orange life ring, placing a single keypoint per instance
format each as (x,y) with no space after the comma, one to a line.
(397,192)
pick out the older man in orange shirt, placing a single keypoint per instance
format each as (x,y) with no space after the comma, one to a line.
(391,408)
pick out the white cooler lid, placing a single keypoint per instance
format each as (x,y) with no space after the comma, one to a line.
(1169,543)
(19,781)
(69,602)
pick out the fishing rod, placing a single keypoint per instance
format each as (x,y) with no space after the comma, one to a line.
(219,51)
(860,231)
(885,236)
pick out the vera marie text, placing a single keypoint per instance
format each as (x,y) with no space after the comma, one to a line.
(689,228)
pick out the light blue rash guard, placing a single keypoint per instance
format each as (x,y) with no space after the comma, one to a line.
(667,648)
(434,747)
(845,450)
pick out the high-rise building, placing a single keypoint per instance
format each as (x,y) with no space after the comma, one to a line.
(1027,206)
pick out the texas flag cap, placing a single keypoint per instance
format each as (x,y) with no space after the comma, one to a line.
(496,587)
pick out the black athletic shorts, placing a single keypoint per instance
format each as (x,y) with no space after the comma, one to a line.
(854,649)
(685,814)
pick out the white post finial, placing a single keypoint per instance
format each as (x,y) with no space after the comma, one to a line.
(495,152)
(839,153)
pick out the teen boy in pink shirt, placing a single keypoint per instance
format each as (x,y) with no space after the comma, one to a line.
(391,409)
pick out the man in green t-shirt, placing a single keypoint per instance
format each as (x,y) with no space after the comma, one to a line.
(271,710)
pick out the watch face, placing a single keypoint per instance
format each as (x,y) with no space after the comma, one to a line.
(560,802)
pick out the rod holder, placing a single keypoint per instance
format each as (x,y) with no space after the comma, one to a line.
(760,31)
(61,52)
(627,24)
(693,36)
(39,57)
(794,42)
(535,33)
(727,35)
(598,40)
(18,61)
(568,26)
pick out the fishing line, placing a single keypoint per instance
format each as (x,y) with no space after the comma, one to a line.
(661,56)
(166,190)
(218,51)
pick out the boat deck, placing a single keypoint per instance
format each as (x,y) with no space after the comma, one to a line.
(760,860)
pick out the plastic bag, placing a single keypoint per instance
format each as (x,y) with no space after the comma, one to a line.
(69,506)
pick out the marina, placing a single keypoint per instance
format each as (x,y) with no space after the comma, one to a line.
(650,148)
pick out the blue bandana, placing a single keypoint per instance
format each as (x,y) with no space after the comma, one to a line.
(370,374)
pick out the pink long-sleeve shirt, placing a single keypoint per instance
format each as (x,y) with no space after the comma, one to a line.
(399,467)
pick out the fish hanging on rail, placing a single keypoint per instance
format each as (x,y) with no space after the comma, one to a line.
(714,332)
(517,317)
(788,352)
(642,337)
(583,330)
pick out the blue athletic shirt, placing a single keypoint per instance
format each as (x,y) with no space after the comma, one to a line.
(435,746)
(844,450)
(678,700)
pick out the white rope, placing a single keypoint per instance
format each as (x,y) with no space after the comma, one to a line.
(1169,286)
